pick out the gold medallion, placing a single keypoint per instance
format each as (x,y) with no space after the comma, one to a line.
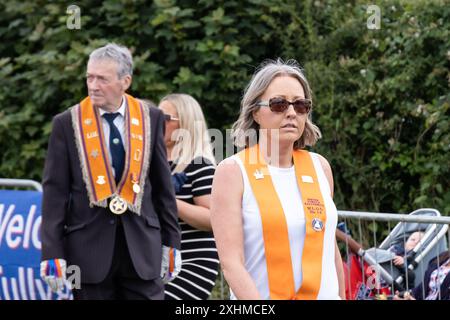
(118,205)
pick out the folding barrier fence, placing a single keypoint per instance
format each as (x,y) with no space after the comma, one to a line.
(368,262)
(20,244)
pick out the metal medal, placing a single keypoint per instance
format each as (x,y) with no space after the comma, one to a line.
(118,205)
(136,188)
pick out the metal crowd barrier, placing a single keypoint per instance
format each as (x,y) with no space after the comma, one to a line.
(221,290)
(21,183)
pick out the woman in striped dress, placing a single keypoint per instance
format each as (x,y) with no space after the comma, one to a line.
(192,163)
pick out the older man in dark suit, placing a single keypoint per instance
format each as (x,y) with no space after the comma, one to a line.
(108,203)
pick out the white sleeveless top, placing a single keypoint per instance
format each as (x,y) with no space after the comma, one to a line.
(285,183)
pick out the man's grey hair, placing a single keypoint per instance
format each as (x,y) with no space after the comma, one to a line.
(119,54)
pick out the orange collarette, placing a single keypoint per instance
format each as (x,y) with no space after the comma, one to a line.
(275,230)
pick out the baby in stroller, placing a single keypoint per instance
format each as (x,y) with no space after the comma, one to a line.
(397,263)
(402,252)
(404,255)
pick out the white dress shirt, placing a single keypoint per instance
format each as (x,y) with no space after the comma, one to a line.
(119,122)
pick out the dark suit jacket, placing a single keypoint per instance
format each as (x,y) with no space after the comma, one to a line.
(84,236)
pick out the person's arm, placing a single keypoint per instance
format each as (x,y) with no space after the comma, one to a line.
(340,272)
(163,194)
(338,259)
(196,215)
(354,246)
(398,260)
(226,221)
(56,184)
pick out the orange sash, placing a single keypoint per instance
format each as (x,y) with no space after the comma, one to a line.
(275,230)
(94,154)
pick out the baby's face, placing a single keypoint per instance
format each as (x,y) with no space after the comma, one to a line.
(413,240)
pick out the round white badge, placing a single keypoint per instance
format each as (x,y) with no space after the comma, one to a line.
(118,205)
(317,224)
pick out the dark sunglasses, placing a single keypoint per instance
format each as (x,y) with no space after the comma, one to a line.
(301,106)
(168,118)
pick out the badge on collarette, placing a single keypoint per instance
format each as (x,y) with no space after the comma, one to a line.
(100,180)
(135,182)
(307,179)
(94,153)
(137,155)
(258,175)
(317,224)
(91,135)
(136,188)
(137,136)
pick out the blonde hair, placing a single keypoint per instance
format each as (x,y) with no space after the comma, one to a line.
(192,139)
(266,72)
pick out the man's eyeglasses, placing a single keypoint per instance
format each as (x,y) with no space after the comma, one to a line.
(301,106)
(168,118)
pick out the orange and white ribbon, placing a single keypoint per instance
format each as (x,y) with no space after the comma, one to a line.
(275,229)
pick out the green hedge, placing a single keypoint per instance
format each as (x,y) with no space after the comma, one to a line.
(381,96)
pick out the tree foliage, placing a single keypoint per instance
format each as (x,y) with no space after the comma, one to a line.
(381,97)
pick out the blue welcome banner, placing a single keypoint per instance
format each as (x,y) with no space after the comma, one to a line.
(20,248)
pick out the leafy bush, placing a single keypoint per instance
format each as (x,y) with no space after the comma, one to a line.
(381,96)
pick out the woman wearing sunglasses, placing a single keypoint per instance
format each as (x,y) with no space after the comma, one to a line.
(272,210)
(192,162)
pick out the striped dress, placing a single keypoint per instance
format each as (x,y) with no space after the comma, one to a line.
(200,261)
